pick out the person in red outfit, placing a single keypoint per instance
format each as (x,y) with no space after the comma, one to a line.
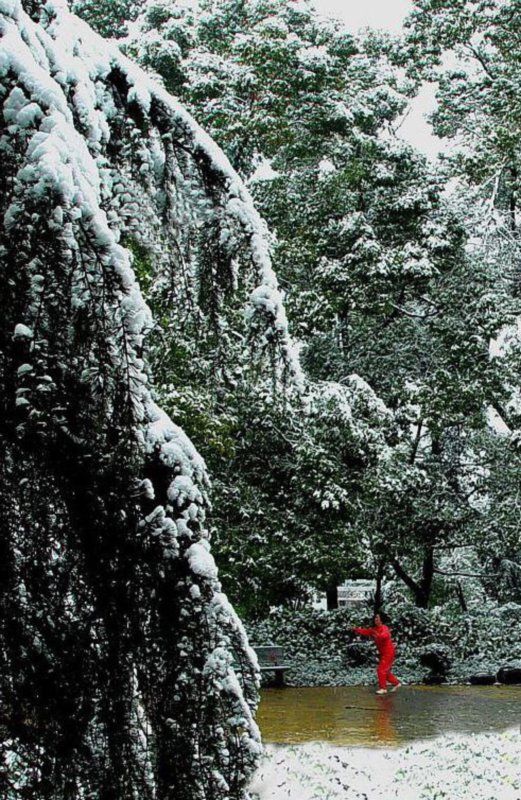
(381,636)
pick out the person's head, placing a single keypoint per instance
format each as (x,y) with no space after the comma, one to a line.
(377,620)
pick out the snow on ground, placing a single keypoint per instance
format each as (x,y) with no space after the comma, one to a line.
(457,767)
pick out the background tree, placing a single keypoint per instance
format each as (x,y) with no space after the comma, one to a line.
(471,53)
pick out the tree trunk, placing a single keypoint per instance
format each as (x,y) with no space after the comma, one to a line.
(461,597)
(513,198)
(420,589)
(422,600)
(332,598)
(378,597)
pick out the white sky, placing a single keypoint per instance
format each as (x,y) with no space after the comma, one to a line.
(389,15)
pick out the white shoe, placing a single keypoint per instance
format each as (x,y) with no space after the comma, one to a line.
(394,688)
(381,691)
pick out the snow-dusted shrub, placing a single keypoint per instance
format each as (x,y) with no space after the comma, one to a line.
(493,630)
(317,642)
(306,631)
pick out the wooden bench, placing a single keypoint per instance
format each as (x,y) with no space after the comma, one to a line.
(271,659)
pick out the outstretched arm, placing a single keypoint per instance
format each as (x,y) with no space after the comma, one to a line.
(364,631)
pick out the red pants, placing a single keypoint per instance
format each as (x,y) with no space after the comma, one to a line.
(383,670)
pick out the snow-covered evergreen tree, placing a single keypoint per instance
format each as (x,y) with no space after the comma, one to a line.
(125,672)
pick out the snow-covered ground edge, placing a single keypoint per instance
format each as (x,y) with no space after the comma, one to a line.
(483,766)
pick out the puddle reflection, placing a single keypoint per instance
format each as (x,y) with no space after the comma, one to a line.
(355,716)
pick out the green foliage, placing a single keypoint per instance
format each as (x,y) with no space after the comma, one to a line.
(108,17)
(142,263)
(386,275)
(301,468)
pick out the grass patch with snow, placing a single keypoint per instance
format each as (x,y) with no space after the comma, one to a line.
(457,767)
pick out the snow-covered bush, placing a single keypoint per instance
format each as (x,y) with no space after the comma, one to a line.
(316,642)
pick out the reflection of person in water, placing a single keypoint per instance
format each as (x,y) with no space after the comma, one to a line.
(381,635)
(383,721)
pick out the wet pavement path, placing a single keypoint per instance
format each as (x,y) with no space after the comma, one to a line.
(355,716)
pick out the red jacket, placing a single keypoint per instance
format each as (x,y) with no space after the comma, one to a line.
(381,637)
